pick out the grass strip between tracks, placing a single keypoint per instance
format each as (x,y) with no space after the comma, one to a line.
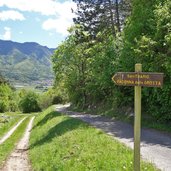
(5,127)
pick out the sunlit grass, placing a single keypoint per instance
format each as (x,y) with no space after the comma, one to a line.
(67,144)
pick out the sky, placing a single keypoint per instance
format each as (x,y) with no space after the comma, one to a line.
(43,21)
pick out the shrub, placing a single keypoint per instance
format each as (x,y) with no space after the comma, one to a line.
(5,97)
(57,100)
(3,105)
(29,102)
(52,96)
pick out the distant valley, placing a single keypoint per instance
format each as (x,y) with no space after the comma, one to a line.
(26,63)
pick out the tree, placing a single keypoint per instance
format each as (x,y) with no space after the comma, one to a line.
(105,16)
(69,63)
(146,41)
(7,96)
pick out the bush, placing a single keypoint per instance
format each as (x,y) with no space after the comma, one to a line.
(5,97)
(52,96)
(3,105)
(45,100)
(57,100)
(29,102)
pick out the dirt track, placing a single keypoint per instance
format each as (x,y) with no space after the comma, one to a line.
(18,160)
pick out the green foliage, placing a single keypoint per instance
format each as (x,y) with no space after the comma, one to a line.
(147,41)
(52,96)
(29,102)
(84,66)
(6,97)
(84,70)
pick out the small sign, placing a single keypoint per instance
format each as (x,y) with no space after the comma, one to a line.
(145,79)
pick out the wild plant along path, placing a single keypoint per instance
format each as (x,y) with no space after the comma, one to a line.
(18,160)
(155,146)
(10,132)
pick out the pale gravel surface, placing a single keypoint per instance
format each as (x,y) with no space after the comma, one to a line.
(8,134)
(18,160)
(155,146)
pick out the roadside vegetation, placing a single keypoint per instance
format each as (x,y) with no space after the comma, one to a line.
(9,145)
(70,144)
(26,100)
(124,33)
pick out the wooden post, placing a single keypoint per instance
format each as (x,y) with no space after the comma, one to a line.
(138,79)
(137,122)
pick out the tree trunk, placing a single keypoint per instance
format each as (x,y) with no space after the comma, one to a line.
(112,18)
(118,25)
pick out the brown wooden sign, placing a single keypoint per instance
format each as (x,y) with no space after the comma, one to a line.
(145,79)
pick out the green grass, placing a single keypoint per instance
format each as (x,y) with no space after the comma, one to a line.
(61,143)
(8,146)
(6,126)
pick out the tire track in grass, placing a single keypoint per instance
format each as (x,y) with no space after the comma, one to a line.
(18,160)
(9,133)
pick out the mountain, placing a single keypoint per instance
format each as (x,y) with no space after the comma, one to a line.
(25,62)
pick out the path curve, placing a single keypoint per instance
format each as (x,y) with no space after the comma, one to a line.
(10,132)
(18,160)
(155,146)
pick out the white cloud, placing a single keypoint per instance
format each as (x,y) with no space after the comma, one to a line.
(45,7)
(60,11)
(11,15)
(60,25)
(63,19)
(7,34)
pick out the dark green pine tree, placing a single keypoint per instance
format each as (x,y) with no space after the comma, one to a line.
(105,16)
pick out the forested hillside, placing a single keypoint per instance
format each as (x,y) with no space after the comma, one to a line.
(25,62)
(111,36)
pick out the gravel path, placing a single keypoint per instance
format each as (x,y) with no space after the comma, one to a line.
(155,146)
(18,160)
(8,134)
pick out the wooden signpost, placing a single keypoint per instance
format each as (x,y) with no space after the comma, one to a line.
(138,79)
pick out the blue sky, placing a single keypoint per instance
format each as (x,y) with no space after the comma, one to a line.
(42,21)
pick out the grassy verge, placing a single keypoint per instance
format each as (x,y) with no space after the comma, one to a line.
(7,147)
(5,126)
(66,144)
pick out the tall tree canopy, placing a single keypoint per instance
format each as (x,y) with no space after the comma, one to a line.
(106,16)
(110,36)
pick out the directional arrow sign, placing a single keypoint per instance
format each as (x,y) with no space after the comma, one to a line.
(145,79)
